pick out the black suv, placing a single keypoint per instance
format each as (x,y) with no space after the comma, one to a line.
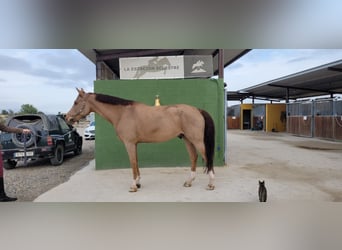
(51,137)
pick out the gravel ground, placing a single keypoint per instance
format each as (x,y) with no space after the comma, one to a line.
(28,182)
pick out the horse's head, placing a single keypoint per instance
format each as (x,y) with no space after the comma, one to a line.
(80,108)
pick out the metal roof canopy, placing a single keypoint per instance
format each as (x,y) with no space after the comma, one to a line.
(318,81)
(236,96)
(110,57)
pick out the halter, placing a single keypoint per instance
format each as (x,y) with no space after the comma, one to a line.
(81,109)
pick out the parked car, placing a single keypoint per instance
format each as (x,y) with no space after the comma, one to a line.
(89,132)
(51,137)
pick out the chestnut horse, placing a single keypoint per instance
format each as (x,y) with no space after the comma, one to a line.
(136,122)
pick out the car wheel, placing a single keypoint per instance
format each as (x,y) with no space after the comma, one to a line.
(58,157)
(18,139)
(10,164)
(78,149)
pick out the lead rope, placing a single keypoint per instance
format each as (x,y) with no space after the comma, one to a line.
(25,155)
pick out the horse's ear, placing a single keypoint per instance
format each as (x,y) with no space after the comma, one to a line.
(80,92)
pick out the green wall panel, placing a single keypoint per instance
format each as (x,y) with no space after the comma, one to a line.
(207,94)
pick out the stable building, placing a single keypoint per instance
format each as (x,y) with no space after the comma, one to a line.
(268,117)
(312,99)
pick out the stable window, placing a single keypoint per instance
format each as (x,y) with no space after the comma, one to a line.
(324,107)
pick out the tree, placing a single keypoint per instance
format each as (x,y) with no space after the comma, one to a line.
(28,109)
(7,112)
(4,112)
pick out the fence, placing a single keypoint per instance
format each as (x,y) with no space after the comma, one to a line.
(320,118)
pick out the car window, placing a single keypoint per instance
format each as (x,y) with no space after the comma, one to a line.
(52,122)
(64,125)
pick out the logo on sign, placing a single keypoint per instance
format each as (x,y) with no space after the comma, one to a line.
(198,67)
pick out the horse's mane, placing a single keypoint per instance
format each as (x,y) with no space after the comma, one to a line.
(112,100)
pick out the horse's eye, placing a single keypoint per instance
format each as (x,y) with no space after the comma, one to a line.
(75,103)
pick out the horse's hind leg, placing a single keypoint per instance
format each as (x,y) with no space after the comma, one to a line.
(201,148)
(132,154)
(193,158)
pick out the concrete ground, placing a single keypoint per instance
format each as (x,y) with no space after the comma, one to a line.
(294,169)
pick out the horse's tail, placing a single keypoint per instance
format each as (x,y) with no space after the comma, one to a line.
(209,140)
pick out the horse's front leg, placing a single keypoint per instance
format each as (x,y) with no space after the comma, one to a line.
(132,154)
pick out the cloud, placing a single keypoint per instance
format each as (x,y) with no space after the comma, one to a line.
(44,78)
(63,68)
(235,65)
(295,60)
(259,66)
(68,83)
(8,63)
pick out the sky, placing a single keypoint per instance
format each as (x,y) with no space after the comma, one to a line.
(262,65)
(47,78)
(43,78)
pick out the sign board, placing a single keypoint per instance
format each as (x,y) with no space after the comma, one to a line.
(166,67)
(198,66)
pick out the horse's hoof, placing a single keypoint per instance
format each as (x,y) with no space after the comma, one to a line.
(133,189)
(210,187)
(138,185)
(187,184)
